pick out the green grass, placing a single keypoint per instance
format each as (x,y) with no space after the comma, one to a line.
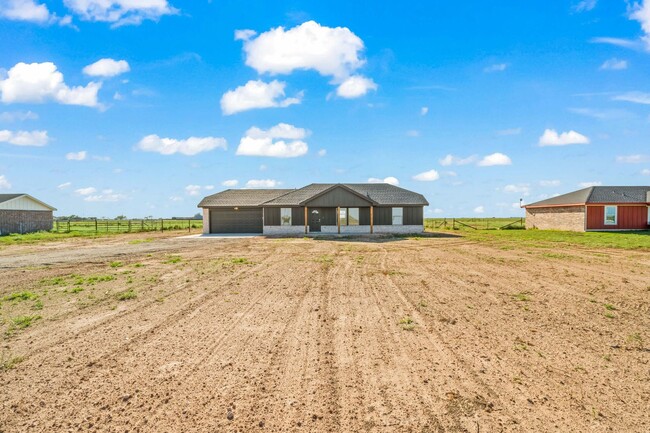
(523,296)
(20,296)
(7,362)
(22,322)
(173,259)
(407,323)
(126,295)
(240,261)
(116,264)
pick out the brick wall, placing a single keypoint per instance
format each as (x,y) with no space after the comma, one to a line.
(23,221)
(570,218)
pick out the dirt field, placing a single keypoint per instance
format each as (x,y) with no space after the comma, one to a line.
(439,334)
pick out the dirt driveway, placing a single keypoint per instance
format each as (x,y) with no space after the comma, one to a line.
(404,335)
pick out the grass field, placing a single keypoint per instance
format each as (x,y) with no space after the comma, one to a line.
(473,223)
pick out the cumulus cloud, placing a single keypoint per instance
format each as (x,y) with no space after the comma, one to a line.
(585,5)
(635,97)
(614,65)
(120,12)
(424,111)
(552,138)
(193,190)
(390,180)
(4,183)
(281,141)
(454,160)
(633,159)
(521,188)
(86,191)
(76,156)
(262,183)
(42,82)
(427,176)
(230,183)
(641,13)
(257,94)
(107,68)
(494,159)
(17,116)
(589,184)
(65,185)
(190,146)
(548,183)
(24,138)
(479,209)
(499,67)
(645,172)
(24,10)
(355,87)
(106,195)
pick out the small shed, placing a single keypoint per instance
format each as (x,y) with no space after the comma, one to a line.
(22,213)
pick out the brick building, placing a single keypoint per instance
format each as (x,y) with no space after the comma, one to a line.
(22,213)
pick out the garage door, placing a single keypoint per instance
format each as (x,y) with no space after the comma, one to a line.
(236,221)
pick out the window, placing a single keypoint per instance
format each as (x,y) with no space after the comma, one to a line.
(353,216)
(285,216)
(610,215)
(343,216)
(397,216)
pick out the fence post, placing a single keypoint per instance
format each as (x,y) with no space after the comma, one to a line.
(454,223)
(141,225)
(189,226)
(162,226)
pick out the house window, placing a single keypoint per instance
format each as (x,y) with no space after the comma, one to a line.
(285,216)
(610,215)
(343,216)
(353,216)
(397,216)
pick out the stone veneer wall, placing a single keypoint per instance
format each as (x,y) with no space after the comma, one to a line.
(571,218)
(284,230)
(25,221)
(345,230)
(406,229)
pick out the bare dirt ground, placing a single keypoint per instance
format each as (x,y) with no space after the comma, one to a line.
(393,335)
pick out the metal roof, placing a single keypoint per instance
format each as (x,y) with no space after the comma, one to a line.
(382,194)
(7,197)
(599,194)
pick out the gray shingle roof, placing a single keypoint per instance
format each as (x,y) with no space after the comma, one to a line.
(599,194)
(381,193)
(7,197)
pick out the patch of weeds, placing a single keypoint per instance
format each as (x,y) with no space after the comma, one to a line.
(140,241)
(607,358)
(325,259)
(91,280)
(116,264)
(522,296)
(422,304)
(635,340)
(160,300)
(76,289)
(407,323)
(129,280)
(126,295)
(7,362)
(610,307)
(138,265)
(359,259)
(21,296)
(22,322)
(521,346)
(610,316)
(556,255)
(240,261)
(38,305)
(56,281)
(173,259)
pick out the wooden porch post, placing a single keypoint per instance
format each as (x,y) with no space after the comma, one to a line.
(372,218)
(338,218)
(306,231)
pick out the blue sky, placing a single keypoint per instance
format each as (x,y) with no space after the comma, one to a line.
(141,108)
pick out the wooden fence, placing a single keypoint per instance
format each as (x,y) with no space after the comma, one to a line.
(475,223)
(125,226)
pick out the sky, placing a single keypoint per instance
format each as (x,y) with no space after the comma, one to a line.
(143,107)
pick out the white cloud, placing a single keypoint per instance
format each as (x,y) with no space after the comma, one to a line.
(258,142)
(189,146)
(118,96)
(521,188)
(193,190)
(585,5)
(633,159)
(454,160)
(262,183)
(641,13)
(263,167)
(635,97)
(609,114)
(424,111)
(645,172)
(65,185)
(614,64)
(322,152)
(24,10)
(17,116)
(499,67)
(589,184)
(495,159)
(334,52)
(107,68)
(41,82)
(120,12)
(509,131)
(549,183)
(619,42)
(413,133)
(4,183)
(355,87)
(175,198)
(257,94)
(438,211)
(230,183)
(107,195)
(390,180)
(24,138)
(76,156)
(208,187)
(86,191)
(427,176)
(552,138)
(479,209)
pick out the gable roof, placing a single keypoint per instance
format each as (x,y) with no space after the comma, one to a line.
(8,197)
(599,194)
(379,194)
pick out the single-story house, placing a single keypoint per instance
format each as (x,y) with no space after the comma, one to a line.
(22,213)
(594,208)
(316,208)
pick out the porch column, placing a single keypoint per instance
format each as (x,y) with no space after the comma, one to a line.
(338,218)
(372,218)
(306,230)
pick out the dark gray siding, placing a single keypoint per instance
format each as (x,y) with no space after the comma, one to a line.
(298,216)
(338,197)
(271,216)
(383,216)
(327,216)
(413,216)
(364,216)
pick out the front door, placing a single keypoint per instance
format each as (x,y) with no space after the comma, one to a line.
(314,220)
